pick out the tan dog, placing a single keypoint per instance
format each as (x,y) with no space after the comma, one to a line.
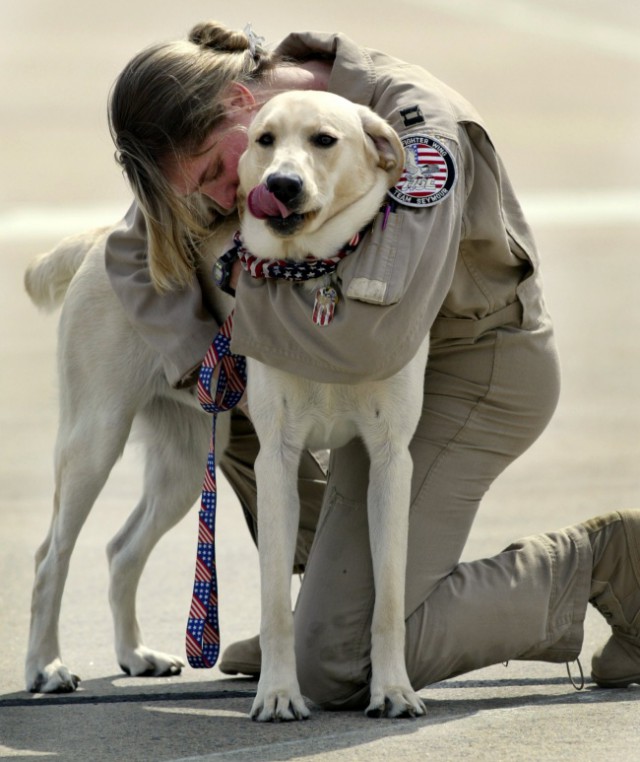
(316,171)
(108,378)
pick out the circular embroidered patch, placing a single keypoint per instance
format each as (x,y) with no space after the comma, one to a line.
(429,172)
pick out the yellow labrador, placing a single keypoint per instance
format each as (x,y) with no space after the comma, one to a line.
(316,171)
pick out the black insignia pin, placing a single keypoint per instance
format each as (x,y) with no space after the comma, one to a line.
(412,115)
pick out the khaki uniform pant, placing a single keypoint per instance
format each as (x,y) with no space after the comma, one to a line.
(485,402)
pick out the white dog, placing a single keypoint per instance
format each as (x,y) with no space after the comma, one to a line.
(329,163)
(108,377)
(299,196)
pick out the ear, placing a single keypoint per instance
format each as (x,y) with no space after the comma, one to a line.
(238,96)
(386,142)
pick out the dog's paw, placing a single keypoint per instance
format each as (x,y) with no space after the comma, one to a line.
(279,705)
(144,662)
(395,702)
(54,678)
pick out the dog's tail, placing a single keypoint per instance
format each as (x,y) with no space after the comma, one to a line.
(48,276)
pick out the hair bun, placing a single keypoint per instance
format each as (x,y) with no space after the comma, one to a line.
(211,34)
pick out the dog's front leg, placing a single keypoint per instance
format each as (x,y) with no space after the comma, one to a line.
(388,511)
(278,696)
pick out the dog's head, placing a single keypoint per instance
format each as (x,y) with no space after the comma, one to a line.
(315,171)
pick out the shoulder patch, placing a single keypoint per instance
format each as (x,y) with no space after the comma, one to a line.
(429,172)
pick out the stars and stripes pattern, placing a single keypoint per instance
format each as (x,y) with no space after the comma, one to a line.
(296,271)
(289,269)
(324,305)
(426,174)
(203,627)
(429,172)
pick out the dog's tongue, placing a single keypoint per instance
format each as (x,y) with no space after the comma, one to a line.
(262,203)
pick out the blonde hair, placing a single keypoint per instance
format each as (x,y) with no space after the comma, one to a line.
(163,105)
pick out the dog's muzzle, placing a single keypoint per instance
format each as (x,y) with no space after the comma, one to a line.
(278,201)
(286,188)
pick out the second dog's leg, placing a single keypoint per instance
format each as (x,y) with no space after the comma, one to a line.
(176,438)
(86,450)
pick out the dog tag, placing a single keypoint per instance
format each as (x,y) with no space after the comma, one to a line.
(324,305)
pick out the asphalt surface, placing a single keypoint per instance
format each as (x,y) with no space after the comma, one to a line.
(557,82)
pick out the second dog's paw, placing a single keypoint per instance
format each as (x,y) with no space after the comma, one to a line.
(395,702)
(279,705)
(55,677)
(144,662)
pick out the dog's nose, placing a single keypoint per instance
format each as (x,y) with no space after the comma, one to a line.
(286,188)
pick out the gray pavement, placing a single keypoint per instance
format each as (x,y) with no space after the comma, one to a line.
(557,82)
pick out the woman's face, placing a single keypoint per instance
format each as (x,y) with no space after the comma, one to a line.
(213,170)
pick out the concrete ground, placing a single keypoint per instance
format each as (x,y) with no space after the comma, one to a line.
(557,81)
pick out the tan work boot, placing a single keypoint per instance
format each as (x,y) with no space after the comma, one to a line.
(242,658)
(615,592)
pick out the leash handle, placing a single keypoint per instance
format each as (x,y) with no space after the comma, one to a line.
(202,638)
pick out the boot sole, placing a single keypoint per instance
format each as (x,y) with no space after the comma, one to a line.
(239,669)
(621,682)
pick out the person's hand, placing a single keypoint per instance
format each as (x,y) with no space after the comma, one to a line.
(226,269)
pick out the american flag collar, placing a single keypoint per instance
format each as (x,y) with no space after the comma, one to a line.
(288,269)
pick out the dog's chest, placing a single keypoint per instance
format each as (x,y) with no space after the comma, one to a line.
(305,413)
(330,417)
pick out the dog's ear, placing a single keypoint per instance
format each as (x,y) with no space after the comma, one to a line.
(386,142)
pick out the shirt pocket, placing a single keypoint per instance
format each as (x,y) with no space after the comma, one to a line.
(382,266)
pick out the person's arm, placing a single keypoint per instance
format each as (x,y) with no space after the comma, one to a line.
(176,324)
(404,272)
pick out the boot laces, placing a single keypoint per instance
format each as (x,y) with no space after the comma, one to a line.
(579,684)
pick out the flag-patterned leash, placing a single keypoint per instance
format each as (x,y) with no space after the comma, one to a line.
(203,630)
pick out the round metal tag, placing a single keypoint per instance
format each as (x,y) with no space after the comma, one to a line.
(429,172)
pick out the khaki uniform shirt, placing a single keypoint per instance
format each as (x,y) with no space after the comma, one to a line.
(458,268)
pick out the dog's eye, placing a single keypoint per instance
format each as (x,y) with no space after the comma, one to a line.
(324,140)
(266,139)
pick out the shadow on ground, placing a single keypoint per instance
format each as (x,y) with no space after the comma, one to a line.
(106,720)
